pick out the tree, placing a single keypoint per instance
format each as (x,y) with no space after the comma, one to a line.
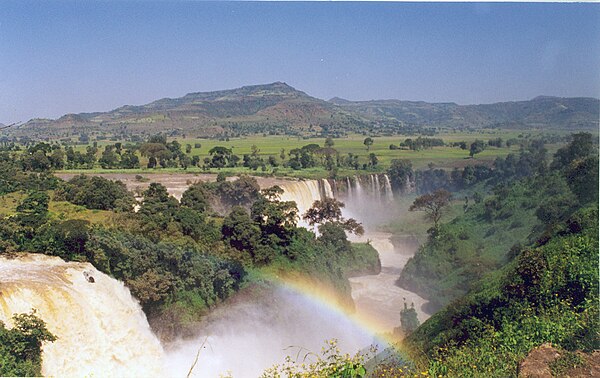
(220,156)
(156,192)
(109,158)
(96,193)
(476,147)
(582,177)
(329,142)
(368,142)
(129,160)
(240,231)
(329,210)
(65,239)
(21,346)
(275,218)
(580,147)
(33,210)
(196,197)
(400,174)
(152,162)
(433,204)
(39,161)
(373,159)
(57,159)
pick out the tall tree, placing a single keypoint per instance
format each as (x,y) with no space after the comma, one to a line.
(433,204)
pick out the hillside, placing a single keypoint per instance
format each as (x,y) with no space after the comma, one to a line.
(541,112)
(547,294)
(278,108)
(275,108)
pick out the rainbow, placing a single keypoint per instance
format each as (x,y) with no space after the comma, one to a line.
(328,299)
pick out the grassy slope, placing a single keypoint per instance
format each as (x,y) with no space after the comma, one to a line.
(549,293)
(475,243)
(60,210)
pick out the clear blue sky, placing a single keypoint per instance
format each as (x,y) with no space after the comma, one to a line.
(61,57)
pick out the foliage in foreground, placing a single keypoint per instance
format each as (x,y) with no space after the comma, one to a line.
(329,363)
(21,346)
(549,293)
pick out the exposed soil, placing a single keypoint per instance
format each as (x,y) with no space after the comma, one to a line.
(538,362)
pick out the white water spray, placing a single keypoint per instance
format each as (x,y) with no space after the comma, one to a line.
(101,329)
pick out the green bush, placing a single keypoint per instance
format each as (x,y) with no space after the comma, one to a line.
(21,346)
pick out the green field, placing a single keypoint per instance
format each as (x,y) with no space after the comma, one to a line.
(442,157)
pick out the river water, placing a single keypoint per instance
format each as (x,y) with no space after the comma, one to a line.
(377,298)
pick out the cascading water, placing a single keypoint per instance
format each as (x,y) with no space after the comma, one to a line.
(101,329)
(327,190)
(304,193)
(376,297)
(388,188)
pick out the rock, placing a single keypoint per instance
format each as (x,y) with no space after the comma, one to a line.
(89,278)
(537,362)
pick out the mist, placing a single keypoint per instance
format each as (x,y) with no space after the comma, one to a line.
(252,334)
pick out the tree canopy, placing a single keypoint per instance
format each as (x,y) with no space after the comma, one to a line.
(433,204)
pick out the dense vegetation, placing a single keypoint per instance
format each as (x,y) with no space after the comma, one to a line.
(21,346)
(493,229)
(544,288)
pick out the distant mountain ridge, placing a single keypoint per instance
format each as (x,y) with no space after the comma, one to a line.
(278,108)
(540,112)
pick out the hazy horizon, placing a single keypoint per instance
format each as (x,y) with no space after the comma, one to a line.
(72,57)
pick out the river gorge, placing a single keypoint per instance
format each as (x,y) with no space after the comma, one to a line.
(100,318)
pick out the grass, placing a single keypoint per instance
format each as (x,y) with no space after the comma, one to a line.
(442,157)
(65,210)
(9,203)
(59,210)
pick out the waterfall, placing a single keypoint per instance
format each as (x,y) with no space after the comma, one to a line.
(388,188)
(366,198)
(349,188)
(304,193)
(101,328)
(359,193)
(327,191)
(377,186)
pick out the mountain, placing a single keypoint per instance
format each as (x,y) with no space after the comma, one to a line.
(278,108)
(270,108)
(540,112)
